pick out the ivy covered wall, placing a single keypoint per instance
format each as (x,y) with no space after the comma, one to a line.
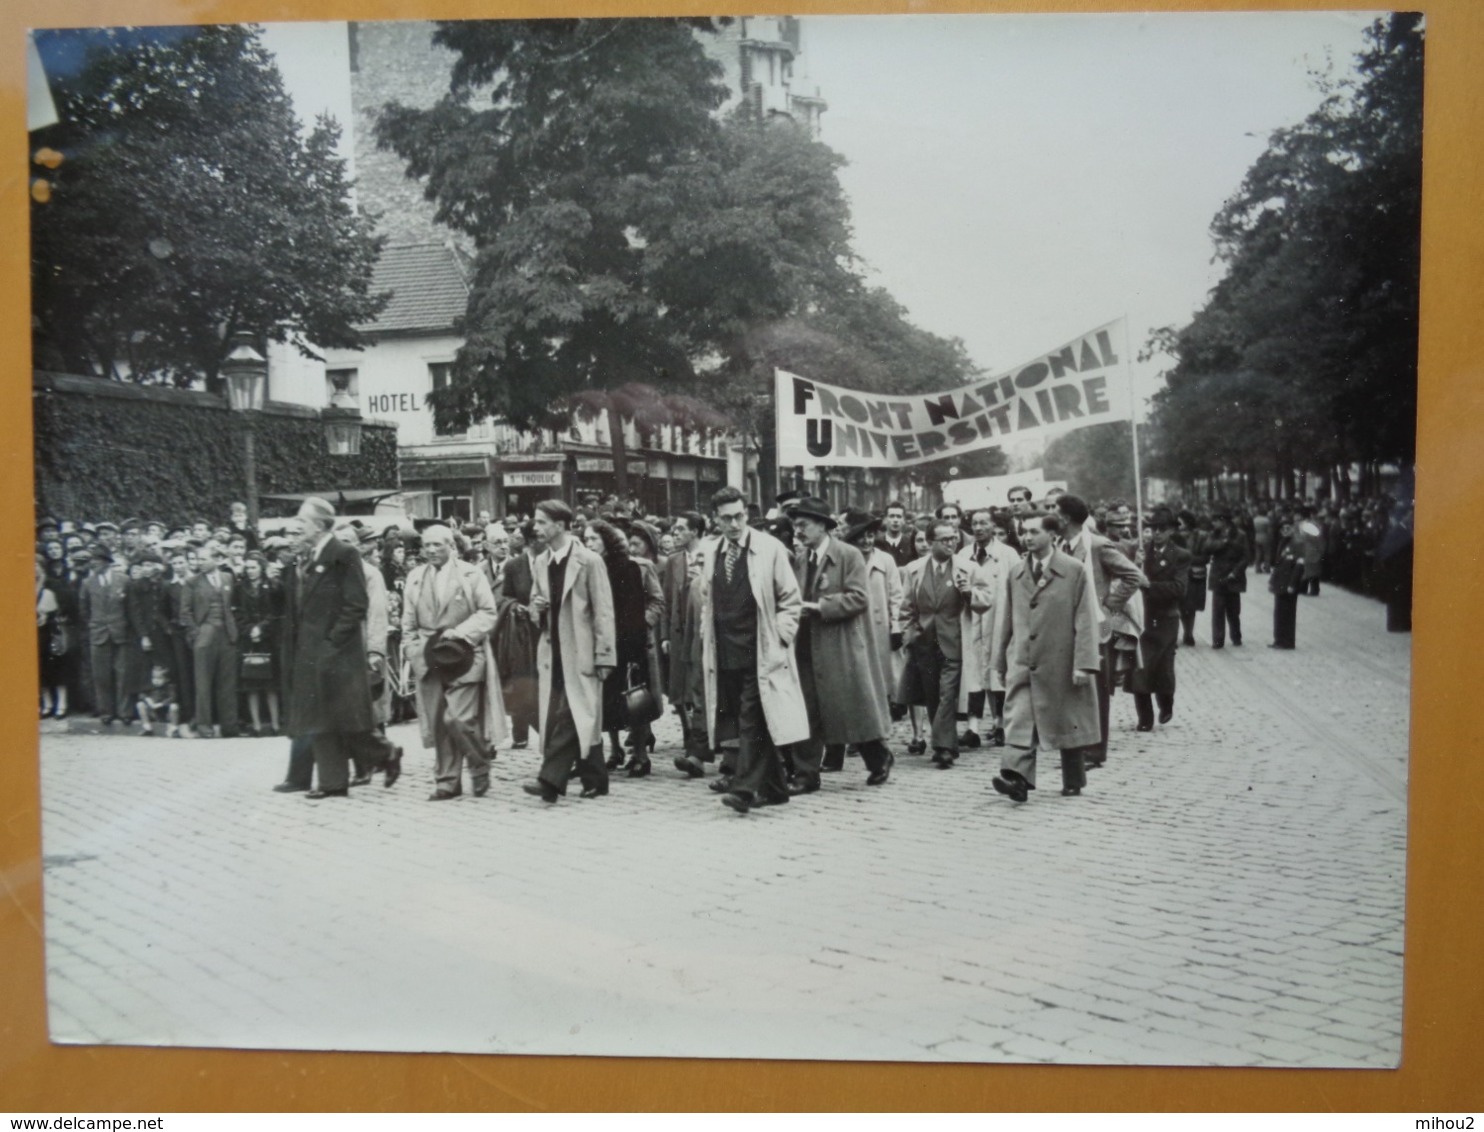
(106,449)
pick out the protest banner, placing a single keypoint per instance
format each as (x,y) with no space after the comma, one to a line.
(1084,382)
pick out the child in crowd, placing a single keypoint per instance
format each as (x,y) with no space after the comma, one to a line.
(159,701)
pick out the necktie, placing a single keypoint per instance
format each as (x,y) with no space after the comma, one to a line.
(1036,570)
(730,561)
(810,574)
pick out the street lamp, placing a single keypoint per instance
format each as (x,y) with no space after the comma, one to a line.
(342,419)
(246,374)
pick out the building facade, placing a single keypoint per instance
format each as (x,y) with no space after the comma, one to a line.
(491,467)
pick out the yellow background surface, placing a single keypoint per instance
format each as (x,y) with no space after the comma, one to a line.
(1444,1013)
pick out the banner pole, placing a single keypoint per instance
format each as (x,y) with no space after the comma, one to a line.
(1133,422)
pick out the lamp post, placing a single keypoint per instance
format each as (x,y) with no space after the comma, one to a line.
(342,419)
(246,373)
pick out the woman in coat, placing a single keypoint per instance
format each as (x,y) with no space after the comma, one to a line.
(259,615)
(514,637)
(56,640)
(644,549)
(630,634)
(1285,580)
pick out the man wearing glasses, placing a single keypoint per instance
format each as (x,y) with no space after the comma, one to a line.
(750,605)
(933,635)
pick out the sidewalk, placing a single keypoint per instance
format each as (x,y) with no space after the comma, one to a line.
(1227,892)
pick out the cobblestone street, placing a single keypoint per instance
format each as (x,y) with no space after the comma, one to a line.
(1228,891)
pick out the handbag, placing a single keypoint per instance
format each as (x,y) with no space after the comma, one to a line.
(256,666)
(59,644)
(640,705)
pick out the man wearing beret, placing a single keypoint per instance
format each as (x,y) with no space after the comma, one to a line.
(448,610)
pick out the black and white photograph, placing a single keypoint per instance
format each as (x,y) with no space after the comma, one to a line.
(572,536)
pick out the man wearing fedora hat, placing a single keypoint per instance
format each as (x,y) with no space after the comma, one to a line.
(448,610)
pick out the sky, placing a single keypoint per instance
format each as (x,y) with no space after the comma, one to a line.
(1016,180)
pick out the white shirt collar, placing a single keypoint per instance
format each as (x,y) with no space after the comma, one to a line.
(319,545)
(560,556)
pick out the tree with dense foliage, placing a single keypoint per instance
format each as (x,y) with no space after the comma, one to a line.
(189,207)
(1304,359)
(627,235)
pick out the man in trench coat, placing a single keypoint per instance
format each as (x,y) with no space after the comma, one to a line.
(1046,651)
(748,603)
(573,603)
(840,669)
(326,681)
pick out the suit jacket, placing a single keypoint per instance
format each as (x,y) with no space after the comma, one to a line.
(904,552)
(1227,572)
(200,597)
(327,686)
(1114,578)
(103,607)
(932,610)
(1169,578)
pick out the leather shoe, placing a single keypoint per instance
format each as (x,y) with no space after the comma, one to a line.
(361,780)
(969,739)
(943,759)
(442,796)
(594,791)
(804,784)
(692,767)
(1142,726)
(736,802)
(879,777)
(639,767)
(722,785)
(1166,716)
(521,746)
(997,739)
(540,790)
(1015,791)
(316,795)
(1071,791)
(917,747)
(393,767)
(290,788)
(481,788)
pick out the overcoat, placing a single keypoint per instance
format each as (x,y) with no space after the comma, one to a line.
(675,587)
(906,688)
(585,624)
(654,611)
(848,676)
(326,686)
(471,609)
(378,631)
(775,589)
(986,583)
(1046,633)
(884,612)
(1228,569)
